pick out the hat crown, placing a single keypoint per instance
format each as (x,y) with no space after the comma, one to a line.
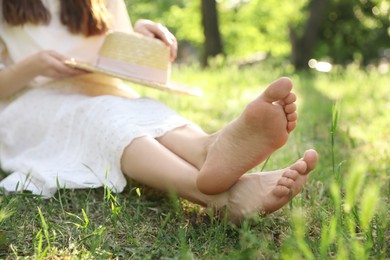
(135,56)
(134,48)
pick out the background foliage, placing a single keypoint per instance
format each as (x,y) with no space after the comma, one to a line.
(354,30)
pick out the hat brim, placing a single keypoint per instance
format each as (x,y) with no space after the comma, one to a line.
(171,86)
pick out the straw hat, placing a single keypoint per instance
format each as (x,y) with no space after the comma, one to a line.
(135,58)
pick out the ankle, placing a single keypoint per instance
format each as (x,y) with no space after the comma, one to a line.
(217,202)
(206,143)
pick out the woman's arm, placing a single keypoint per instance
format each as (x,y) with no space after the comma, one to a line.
(44,63)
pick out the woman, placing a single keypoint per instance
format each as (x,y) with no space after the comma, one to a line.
(63,126)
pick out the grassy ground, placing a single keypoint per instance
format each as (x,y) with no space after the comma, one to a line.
(342,213)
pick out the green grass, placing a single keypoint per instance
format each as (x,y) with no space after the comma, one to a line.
(342,213)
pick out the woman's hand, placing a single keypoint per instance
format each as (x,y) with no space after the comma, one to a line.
(157,30)
(44,63)
(51,64)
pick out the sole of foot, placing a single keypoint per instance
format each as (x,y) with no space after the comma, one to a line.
(262,128)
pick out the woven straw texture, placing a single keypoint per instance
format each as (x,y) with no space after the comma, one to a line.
(136,49)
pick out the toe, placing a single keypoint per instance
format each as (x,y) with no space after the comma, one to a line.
(281,191)
(311,158)
(291,98)
(286,182)
(291,126)
(291,174)
(300,166)
(290,108)
(277,90)
(292,116)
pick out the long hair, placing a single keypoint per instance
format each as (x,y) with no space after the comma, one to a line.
(87,17)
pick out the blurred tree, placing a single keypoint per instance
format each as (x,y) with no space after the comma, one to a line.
(252,26)
(303,44)
(212,43)
(355,30)
(183,18)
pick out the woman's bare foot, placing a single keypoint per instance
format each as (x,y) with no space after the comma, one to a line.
(263,193)
(262,128)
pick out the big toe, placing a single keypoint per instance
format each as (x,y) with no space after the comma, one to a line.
(311,159)
(307,163)
(278,90)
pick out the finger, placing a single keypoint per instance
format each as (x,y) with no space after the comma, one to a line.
(64,70)
(146,32)
(168,38)
(74,72)
(160,32)
(58,56)
(173,54)
(174,48)
(70,68)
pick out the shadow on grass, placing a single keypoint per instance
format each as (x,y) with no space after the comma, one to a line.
(316,129)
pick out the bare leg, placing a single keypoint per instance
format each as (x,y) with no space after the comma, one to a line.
(189,142)
(223,157)
(253,193)
(167,172)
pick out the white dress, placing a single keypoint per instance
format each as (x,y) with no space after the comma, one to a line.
(51,137)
